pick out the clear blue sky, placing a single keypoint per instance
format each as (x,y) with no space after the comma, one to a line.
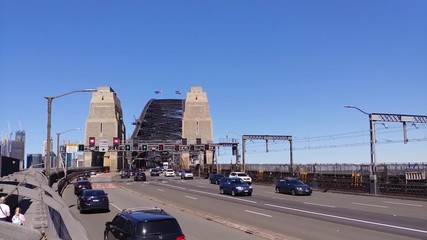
(269,67)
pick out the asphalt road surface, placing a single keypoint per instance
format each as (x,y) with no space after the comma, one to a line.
(265,214)
(194,227)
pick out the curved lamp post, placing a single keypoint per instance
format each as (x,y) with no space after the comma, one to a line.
(58,155)
(49,125)
(372,169)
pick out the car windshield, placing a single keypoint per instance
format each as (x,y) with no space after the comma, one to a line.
(158,227)
(236,180)
(187,171)
(242,175)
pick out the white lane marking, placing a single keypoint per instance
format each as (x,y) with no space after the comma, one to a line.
(322,205)
(368,205)
(405,204)
(191,197)
(161,190)
(183,188)
(258,213)
(116,207)
(215,194)
(348,219)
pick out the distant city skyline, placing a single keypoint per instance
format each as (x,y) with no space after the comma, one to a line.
(276,67)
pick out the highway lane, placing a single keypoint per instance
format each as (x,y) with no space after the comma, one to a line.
(324,214)
(194,227)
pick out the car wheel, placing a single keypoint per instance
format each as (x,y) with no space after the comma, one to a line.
(292,192)
(277,190)
(221,191)
(249,194)
(217,182)
(233,193)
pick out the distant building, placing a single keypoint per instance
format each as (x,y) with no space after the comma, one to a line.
(14,148)
(35,160)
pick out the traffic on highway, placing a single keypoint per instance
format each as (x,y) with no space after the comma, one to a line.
(282,211)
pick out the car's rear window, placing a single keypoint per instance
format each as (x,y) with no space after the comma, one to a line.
(187,171)
(242,175)
(94,193)
(169,226)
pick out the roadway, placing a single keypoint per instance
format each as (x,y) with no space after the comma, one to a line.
(194,227)
(266,213)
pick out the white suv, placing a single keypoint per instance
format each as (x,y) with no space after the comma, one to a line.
(242,175)
(169,173)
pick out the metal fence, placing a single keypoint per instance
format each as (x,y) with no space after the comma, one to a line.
(400,179)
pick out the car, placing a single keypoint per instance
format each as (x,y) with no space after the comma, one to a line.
(179,172)
(293,186)
(79,186)
(140,176)
(169,173)
(125,174)
(92,173)
(143,223)
(242,175)
(235,186)
(91,199)
(154,172)
(215,178)
(82,179)
(187,174)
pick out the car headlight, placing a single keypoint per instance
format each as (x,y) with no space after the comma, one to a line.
(299,188)
(250,186)
(239,188)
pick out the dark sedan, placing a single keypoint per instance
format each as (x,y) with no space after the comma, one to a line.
(154,172)
(235,186)
(79,186)
(140,176)
(215,178)
(293,186)
(93,200)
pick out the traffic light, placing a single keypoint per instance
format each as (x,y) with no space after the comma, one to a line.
(161,147)
(91,142)
(234,149)
(116,142)
(81,147)
(127,147)
(176,147)
(144,147)
(207,147)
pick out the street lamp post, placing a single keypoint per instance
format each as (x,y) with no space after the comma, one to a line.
(59,159)
(49,125)
(373,166)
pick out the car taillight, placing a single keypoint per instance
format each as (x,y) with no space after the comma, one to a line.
(79,186)
(180,238)
(85,199)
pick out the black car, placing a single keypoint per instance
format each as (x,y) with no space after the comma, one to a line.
(79,186)
(140,176)
(148,223)
(93,200)
(125,174)
(154,172)
(293,186)
(235,186)
(215,178)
